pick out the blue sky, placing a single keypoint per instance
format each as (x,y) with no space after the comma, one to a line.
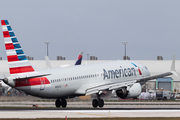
(96,27)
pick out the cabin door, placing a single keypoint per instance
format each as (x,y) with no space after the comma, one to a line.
(42,80)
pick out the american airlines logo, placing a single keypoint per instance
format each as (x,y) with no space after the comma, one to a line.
(119,73)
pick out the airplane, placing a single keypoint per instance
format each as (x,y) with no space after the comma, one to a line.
(123,78)
(78,62)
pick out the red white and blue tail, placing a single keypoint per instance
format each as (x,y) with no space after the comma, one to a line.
(17,60)
(79,59)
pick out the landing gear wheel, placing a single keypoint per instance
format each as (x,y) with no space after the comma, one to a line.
(64,103)
(95,103)
(134,98)
(58,103)
(101,103)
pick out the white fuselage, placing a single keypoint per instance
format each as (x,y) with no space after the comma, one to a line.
(73,81)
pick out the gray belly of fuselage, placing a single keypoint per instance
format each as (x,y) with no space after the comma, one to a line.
(54,90)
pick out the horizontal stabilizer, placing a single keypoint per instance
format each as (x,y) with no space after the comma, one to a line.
(28,76)
(65,65)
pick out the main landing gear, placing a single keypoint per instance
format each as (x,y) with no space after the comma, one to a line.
(98,102)
(61,102)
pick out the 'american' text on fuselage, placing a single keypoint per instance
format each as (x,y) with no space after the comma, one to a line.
(119,73)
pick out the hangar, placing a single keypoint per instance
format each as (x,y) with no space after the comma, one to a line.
(155,67)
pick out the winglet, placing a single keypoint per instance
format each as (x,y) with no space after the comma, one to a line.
(172,70)
(48,64)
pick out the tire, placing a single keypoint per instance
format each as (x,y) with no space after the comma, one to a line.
(101,103)
(165,98)
(134,98)
(58,103)
(95,103)
(64,103)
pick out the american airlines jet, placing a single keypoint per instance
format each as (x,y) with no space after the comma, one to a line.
(123,78)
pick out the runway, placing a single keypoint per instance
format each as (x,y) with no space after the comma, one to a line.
(87,113)
(25,109)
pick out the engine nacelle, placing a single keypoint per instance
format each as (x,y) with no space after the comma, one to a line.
(9,81)
(122,93)
(134,91)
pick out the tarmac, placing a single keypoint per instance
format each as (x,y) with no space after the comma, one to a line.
(88,104)
(85,110)
(62,113)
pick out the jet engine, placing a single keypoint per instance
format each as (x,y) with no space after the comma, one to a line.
(122,93)
(134,91)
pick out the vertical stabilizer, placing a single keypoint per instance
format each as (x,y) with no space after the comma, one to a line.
(17,60)
(79,59)
(48,64)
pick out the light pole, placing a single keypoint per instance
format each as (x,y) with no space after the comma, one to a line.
(47,43)
(125,43)
(87,56)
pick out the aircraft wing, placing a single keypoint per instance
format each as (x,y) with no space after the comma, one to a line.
(108,87)
(171,72)
(114,86)
(145,79)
